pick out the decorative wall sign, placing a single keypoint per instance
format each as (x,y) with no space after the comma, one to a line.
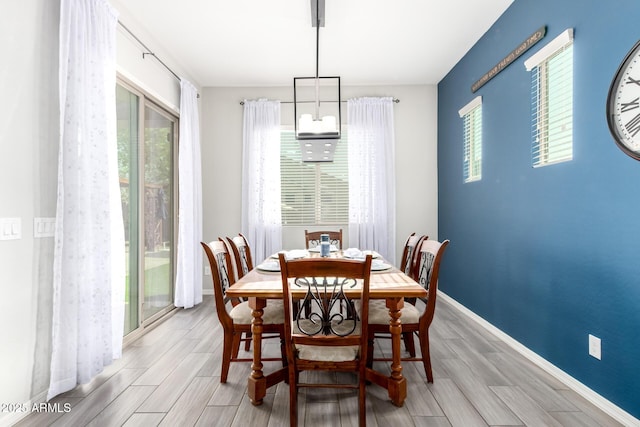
(515,53)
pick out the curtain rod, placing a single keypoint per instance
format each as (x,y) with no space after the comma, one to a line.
(149,52)
(396,100)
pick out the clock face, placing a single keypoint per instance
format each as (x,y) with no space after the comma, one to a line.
(623,104)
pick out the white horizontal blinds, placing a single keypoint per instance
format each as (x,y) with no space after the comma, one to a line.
(313,193)
(333,179)
(552,103)
(297,183)
(472,117)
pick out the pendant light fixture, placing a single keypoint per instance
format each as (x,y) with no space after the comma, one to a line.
(316,100)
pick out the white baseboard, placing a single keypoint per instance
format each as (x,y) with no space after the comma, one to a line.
(605,405)
(207,291)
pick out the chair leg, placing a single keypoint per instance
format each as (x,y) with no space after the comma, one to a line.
(362,400)
(227,344)
(236,345)
(247,343)
(426,355)
(370,350)
(293,397)
(409,344)
(283,351)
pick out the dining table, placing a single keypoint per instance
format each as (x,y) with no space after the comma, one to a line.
(264,283)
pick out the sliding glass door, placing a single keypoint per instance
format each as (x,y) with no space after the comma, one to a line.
(159,135)
(147,177)
(128,117)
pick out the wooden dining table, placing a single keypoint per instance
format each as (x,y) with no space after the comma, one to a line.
(392,285)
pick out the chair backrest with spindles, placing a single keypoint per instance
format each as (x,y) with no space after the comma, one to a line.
(312,238)
(428,268)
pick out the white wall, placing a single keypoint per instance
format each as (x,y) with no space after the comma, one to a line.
(28,170)
(416,158)
(146,72)
(29,134)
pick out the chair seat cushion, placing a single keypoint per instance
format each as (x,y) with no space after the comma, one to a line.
(273,313)
(327,353)
(379,313)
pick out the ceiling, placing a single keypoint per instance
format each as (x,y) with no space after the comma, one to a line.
(268,42)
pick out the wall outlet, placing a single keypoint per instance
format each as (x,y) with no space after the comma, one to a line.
(207,270)
(594,347)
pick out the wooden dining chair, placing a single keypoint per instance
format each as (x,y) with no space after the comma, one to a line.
(312,238)
(410,254)
(242,262)
(325,340)
(241,254)
(413,319)
(408,266)
(236,316)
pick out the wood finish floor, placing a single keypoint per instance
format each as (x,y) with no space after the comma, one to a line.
(170,377)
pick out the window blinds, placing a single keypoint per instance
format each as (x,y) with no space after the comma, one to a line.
(552,102)
(472,117)
(313,193)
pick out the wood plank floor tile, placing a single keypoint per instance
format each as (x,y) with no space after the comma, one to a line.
(231,392)
(211,367)
(421,401)
(165,364)
(148,355)
(280,406)
(217,416)
(211,342)
(163,398)
(575,419)
(100,398)
(171,376)
(588,409)
(524,407)
(524,375)
(119,411)
(144,420)
(524,363)
(203,327)
(348,407)
(321,413)
(455,405)
(493,410)
(191,403)
(431,422)
(156,336)
(109,371)
(478,363)
(251,415)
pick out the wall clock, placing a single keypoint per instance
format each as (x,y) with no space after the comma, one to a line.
(623,104)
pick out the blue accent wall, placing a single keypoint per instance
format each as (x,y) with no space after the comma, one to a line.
(552,254)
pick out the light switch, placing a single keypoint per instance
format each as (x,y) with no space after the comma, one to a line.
(11,228)
(44,227)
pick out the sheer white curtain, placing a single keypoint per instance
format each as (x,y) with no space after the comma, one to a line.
(89,255)
(261,209)
(372,197)
(189,263)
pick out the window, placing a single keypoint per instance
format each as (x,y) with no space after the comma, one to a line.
(313,193)
(147,137)
(472,117)
(552,101)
